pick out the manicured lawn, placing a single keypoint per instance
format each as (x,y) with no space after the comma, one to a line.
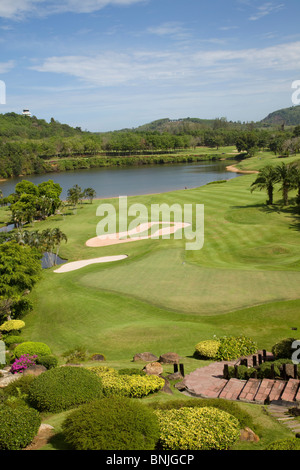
(163,298)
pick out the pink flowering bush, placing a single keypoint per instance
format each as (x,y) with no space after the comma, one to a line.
(22,363)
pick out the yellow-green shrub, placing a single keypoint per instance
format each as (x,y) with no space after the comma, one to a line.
(12,325)
(133,386)
(197,429)
(207,349)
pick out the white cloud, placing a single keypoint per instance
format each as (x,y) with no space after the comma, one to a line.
(173,29)
(6,66)
(266,9)
(18,9)
(174,67)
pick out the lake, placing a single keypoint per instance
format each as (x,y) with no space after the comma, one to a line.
(130,181)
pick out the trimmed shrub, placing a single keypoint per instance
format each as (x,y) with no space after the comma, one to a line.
(64,387)
(230,407)
(17,427)
(207,349)
(132,386)
(112,424)
(197,429)
(283,349)
(50,362)
(12,325)
(233,347)
(76,355)
(12,339)
(32,348)
(284,444)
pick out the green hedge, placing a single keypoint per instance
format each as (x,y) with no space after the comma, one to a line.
(112,424)
(64,387)
(17,427)
(197,429)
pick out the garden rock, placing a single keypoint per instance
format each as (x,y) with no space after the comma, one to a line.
(98,357)
(145,357)
(154,368)
(7,379)
(169,358)
(35,370)
(248,435)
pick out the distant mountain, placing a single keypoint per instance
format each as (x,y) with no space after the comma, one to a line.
(286,116)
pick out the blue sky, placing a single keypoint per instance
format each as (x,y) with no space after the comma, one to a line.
(112,64)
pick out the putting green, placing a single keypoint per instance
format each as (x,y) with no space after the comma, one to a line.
(165,279)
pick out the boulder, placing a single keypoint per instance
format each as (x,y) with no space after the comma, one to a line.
(35,370)
(98,357)
(153,368)
(169,358)
(248,435)
(145,357)
(7,379)
(175,376)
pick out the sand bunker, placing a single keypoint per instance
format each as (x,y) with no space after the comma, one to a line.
(74,265)
(135,234)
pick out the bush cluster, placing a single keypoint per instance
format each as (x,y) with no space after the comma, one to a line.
(197,429)
(225,348)
(64,387)
(18,426)
(112,424)
(131,385)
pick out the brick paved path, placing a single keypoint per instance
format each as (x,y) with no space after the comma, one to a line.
(208,382)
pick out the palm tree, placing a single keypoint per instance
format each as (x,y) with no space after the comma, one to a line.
(296,180)
(285,175)
(266,180)
(58,237)
(90,194)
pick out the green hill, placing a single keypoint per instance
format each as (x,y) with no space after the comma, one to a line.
(286,116)
(17,126)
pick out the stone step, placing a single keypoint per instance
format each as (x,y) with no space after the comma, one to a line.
(232,389)
(264,391)
(290,391)
(250,390)
(214,389)
(276,390)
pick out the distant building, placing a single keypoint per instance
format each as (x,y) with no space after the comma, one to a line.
(26,112)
